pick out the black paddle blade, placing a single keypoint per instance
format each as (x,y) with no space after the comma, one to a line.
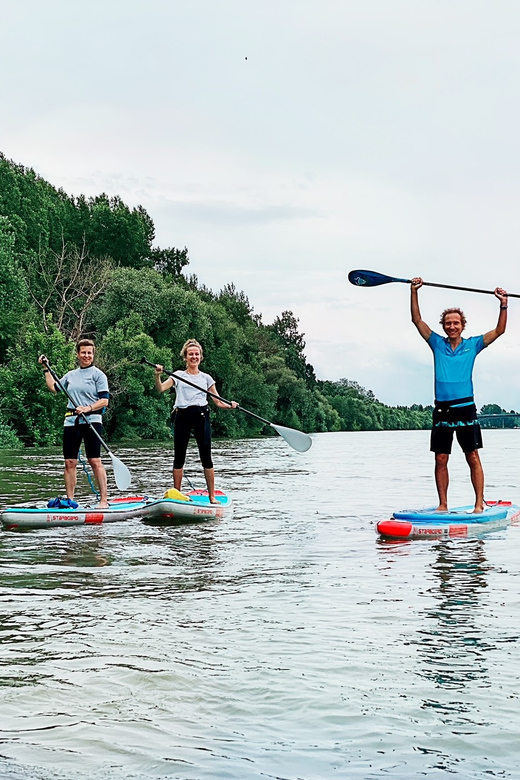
(372,279)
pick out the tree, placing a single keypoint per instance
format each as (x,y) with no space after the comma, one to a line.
(111,229)
(35,414)
(136,410)
(492,409)
(170,262)
(285,329)
(65,285)
(12,288)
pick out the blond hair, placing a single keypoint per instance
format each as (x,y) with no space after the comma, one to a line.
(186,347)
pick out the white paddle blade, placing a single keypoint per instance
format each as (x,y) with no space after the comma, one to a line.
(121,474)
(296,439)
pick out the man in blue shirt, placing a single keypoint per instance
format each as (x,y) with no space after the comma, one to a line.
(455,409)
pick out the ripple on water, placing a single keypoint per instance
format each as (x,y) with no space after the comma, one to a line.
(283,642)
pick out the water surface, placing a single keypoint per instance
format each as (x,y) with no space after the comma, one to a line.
(283,642)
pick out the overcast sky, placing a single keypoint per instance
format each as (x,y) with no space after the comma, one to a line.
(286,143)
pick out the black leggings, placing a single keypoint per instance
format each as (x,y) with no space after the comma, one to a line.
(196,419)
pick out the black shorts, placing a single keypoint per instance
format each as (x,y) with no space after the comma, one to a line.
(73,435)
(461,420)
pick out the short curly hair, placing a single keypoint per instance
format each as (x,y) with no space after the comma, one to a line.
(453,310)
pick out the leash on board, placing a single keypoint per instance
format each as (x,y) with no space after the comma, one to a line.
(87,472)
(188,480)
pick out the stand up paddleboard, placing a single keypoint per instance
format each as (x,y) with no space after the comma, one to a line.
(34,515)
(459,522)
(175,507)
(193,506)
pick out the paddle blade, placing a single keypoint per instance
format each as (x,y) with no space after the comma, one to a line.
(122,475)
(372,278)
(296,439)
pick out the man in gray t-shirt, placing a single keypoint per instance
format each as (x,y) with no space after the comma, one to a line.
(88,388)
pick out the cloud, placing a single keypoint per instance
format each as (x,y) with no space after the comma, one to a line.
(228,213)
(379,136)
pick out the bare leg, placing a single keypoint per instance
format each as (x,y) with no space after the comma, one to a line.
(177,478)
(210,482)
(477,478)
(70,477)
(442,480)
(101,478)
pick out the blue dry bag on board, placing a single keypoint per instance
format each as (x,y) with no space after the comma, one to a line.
(62,503)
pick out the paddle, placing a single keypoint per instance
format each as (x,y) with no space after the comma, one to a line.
(121,473)
(296,439)
(373,279)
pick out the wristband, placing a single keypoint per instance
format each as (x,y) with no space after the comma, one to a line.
(45,370)
(502,308)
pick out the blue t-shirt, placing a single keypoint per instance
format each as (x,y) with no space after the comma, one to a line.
(454,367)
(85,386)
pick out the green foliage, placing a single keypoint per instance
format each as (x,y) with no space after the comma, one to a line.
(111,229)
(13,292)
(170,262)
(492,409)
(359,409)
(500,418)
(8,438)
(86,266)
(35,414)
(135,409)
(285,329)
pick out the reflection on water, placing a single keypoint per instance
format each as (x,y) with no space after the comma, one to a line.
(452,646)
(281,642)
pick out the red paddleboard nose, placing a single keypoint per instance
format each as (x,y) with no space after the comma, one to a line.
(394,528)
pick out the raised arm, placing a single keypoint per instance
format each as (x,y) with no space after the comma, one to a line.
(49,381)
(417,320)
(492,335)
(162,386)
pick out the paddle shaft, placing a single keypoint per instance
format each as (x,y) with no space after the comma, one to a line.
(466,289)
(80,414)
(213,395)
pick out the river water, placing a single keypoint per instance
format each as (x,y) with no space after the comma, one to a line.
(283,642)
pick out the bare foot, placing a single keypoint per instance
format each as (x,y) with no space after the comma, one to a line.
(478,510)
(213,500)
(103,505)
(442,508)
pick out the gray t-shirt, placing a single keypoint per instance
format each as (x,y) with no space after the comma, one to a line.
(189,396)
(85,386)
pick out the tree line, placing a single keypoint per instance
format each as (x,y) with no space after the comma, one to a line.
(496,417)
(75,267)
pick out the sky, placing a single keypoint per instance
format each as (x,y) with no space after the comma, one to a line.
(286,143)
